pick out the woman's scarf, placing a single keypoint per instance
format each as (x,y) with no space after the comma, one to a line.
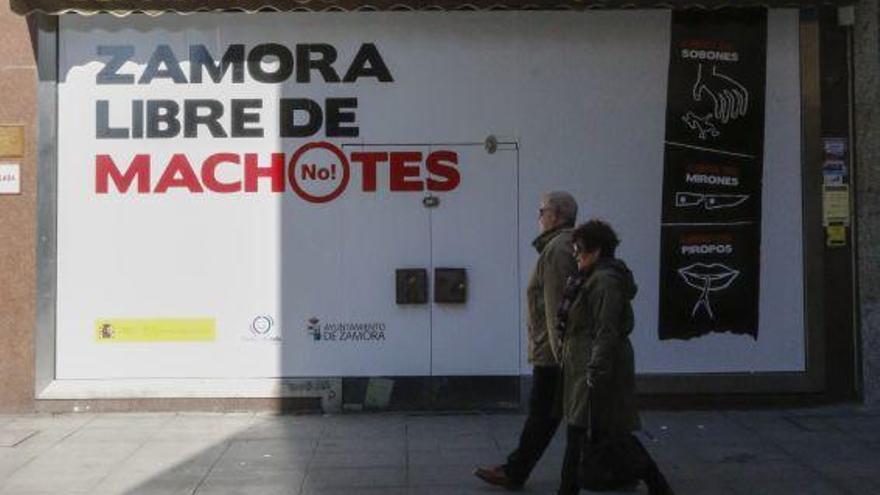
(573,286)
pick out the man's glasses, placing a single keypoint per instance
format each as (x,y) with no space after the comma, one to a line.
(542,210)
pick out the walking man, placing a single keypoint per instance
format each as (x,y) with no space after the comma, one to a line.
(556,219)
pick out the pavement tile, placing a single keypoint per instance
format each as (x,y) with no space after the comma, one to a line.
(81,482)
(207,426)
(11,461)
(464,441)
(667,451)
(40,492)
(862,428)
(825,448)
(342,477)
(149,484)
(340,444)
(442,475)
(773,452)
(788,486)
(161,466)
(113,435)
(266,481)
(286,450)
(857,485)
(357,491)
(735,452)
(166,455)
(447,425)
(766,425)
(462,490)
(367,427)
(65,422)
(360,458)
(859,468)
(130,420)
(282,428)
(757,472)
(703,486)
(13,437)
(457,457)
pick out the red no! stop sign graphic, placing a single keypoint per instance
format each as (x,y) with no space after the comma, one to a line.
(319,172)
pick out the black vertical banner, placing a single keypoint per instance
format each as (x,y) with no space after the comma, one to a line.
(713,166)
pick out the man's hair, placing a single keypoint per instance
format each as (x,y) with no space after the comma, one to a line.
(596,234)
(564,205)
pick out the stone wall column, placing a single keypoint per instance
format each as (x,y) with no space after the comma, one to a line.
(866,54)
(18,222)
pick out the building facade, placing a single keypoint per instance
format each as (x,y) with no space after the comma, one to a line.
(335,202)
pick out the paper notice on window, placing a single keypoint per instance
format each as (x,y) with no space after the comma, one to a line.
(835,205)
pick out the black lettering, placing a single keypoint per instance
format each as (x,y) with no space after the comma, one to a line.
(336,117)
(289,109)
(102,119)
(137,119)
(200,59)
(119,55)
(368,63)
(324,64)
(192,119)
(240,117)
(162,112)
(285,63)
(163,57)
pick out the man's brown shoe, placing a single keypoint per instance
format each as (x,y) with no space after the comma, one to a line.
(496,476)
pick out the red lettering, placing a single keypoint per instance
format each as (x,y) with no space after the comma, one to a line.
(253,172)
(400,171)
(209,173)
(309,171)
(139,169)
(440,164)
(368,162)
(179,174)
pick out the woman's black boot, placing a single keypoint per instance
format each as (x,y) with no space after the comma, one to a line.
(657,484)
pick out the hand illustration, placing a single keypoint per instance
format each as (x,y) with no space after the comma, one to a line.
(730,99)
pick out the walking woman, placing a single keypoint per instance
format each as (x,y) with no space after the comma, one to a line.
(598,367)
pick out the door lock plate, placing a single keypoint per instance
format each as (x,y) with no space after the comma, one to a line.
(450,285)
(412,285)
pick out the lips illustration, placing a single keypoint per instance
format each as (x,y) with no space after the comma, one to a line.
(707,278)
(709,201)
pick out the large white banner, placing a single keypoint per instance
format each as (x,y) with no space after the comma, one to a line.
(237,192)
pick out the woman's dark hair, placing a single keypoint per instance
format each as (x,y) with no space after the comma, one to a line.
(596,234)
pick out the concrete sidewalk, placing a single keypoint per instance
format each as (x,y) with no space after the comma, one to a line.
(804,451)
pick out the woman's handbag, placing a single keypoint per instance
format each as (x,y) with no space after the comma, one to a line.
(604,464)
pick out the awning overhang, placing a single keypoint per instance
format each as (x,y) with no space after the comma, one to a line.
(156,7)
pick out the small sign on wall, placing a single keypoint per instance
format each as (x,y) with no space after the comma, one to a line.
(10,178)
(11,141)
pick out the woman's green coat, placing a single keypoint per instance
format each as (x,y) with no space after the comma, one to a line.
(597,351)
